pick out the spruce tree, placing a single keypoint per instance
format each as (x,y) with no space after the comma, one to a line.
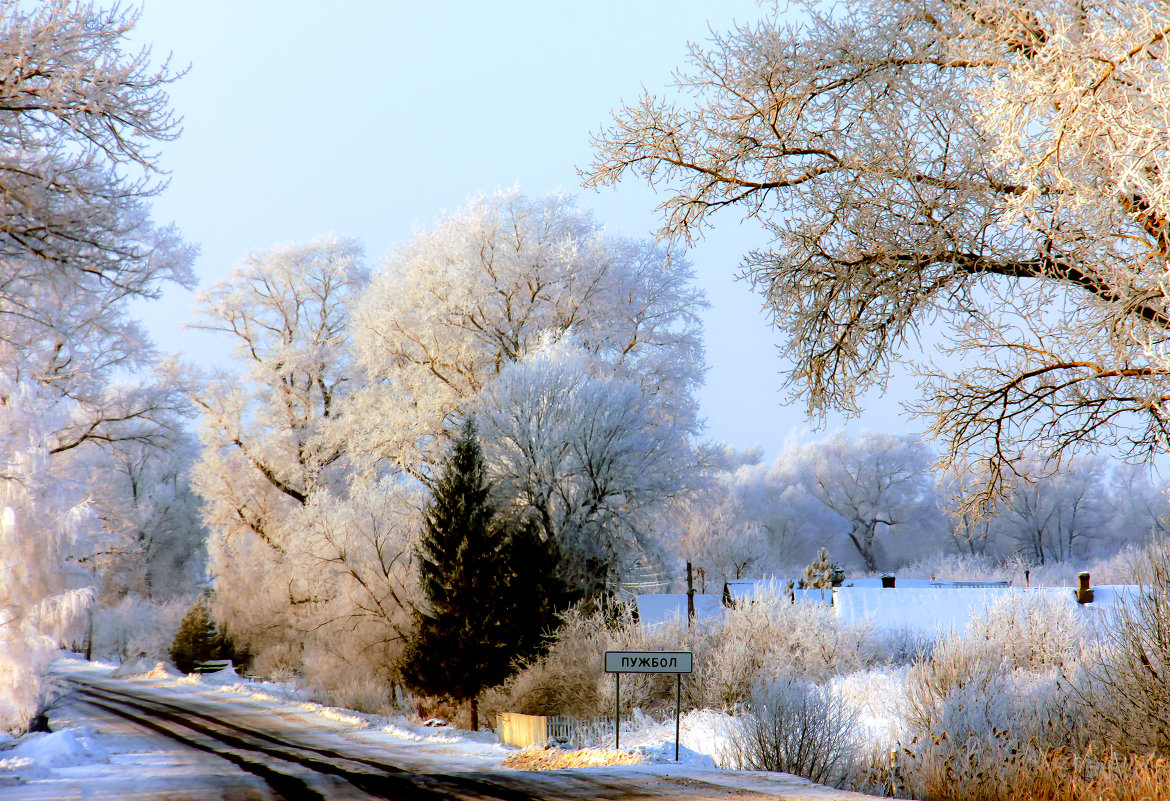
(198,639)
(489,585)
(195,640)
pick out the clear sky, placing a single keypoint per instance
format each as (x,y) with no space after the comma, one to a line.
(368,119)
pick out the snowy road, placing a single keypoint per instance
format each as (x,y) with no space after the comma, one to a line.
(153,740)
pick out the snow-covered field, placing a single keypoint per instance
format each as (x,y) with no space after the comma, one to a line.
(92,757)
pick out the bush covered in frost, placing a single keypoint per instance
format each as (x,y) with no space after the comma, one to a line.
(795,726)
(766,639)
(1127,682)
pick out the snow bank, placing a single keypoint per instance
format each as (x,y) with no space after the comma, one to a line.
(703,738)
(939,610)
(36,755)
(132,667)
(657,609)
(878,697)
(919,609)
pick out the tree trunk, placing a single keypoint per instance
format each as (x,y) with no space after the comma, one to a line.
(862,536)
(474,702)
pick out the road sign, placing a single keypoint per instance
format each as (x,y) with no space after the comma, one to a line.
(648,662)
(619,662)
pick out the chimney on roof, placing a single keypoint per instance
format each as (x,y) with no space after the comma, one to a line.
(1084,591)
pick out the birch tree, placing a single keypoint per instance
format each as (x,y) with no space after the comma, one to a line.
(993,169)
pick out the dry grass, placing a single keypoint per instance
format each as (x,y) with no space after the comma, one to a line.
(1108,777)
(539,757)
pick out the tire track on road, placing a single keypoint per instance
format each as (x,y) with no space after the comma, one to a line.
(388,782)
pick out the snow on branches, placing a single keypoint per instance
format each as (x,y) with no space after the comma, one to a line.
(998,165)
(44,524)
(452,309)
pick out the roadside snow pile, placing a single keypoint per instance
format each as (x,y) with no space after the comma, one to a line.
(346,716)
(132,667)
(35,755)
(143,668)
(161,670)
(707,733)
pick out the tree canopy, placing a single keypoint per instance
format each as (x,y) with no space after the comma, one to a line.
(998,166)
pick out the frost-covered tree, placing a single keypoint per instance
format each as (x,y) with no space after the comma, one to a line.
(153,541)
(269,441)
(878,484)
(449,311)
(1057,515)
(773,498)
(586,452)
(360,543)
(79,116)
(994,171)
(1139,507)
(44,523)
(709,530)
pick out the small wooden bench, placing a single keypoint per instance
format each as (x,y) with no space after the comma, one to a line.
(213,665)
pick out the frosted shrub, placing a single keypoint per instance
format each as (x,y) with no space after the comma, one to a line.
(985,739)
(1035,633)
(772,637)
(765,639)
(565,681)
(957,567)
(332,679)
(649,691)
(987,707)
(899,646)
(795,726)
(1127,680)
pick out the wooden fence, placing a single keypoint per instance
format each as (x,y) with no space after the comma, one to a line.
(521,731)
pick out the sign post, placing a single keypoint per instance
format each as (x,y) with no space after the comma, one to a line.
(619,662)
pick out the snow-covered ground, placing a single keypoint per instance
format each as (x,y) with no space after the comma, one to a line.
(94,758)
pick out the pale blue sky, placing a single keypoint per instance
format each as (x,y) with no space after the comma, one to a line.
(370,118)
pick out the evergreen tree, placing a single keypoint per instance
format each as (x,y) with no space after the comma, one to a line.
(198,640)
(822,574)
(489,583)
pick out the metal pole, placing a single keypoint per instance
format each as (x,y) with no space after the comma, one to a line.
(617,711)
(677,709)
(690,596)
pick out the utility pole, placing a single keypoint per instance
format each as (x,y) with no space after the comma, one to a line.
(690,595)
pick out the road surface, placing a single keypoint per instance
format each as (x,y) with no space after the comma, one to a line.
(174,746)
